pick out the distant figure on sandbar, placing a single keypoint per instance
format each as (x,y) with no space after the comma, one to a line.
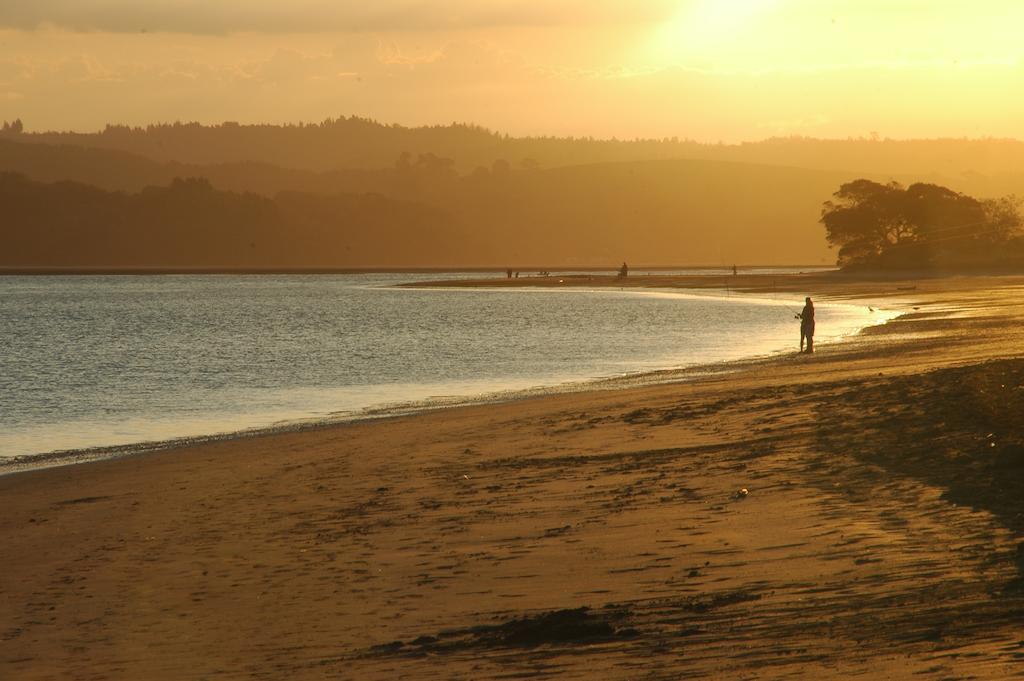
(624,270)
(734,270)
(508,273)
(806,317)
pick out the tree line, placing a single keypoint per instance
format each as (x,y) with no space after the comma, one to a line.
(921,226)
(189,224)
(360,143)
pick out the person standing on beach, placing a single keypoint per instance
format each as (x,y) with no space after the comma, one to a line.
(806,317)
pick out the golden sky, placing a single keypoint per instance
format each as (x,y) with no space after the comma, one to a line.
(709,70)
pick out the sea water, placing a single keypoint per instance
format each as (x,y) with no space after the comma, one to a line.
(103,361)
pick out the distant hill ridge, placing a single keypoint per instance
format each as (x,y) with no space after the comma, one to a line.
(371,195)
(656,212)
(359,143)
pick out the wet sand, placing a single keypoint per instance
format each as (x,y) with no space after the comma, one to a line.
(855,512)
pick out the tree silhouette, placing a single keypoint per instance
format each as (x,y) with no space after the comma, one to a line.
(889,225)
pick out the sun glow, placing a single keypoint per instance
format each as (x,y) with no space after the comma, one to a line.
(701,25)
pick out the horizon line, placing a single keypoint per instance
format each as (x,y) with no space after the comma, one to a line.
(674,139)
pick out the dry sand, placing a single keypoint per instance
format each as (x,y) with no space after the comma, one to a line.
(601,535)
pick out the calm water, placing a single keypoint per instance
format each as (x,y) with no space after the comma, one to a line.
(99,361)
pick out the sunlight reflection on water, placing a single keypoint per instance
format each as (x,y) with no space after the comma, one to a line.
(99,361)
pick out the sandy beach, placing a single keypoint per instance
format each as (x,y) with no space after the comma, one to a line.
(856,512)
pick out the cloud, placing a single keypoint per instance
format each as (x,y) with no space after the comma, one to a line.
(319,16)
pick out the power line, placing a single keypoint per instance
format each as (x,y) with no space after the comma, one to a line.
(927,241)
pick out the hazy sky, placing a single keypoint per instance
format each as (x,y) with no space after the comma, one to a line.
(703,69)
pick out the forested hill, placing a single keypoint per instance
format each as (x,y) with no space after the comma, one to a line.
(405,208)
(347,143)
(191,225)
(655,213)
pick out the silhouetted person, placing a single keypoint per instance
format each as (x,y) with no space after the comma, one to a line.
(806,317)
(624,270)
(734,270)
(508,273)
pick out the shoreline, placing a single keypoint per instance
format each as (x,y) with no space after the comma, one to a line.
(111,271)
(77,456)
(72,457)
(858,511)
